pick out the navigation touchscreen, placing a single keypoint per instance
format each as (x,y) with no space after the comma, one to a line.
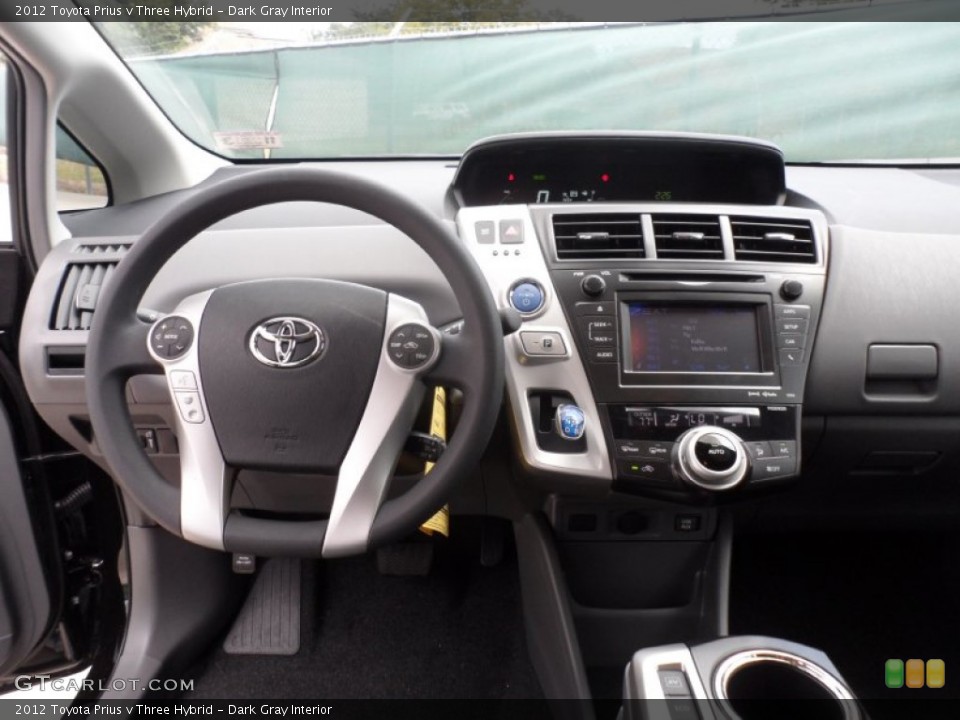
(690,338)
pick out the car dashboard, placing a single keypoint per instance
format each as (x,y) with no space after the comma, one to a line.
(700,322)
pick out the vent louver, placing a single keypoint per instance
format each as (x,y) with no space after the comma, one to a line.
(773,240)
(688,237)
(79,291)
(601,236)
(109,249)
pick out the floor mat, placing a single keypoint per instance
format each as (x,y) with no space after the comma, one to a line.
(860,598)
(457,633)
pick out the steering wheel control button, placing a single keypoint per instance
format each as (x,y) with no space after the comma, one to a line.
(571,422)
(411,346)
(486,232)
(183,380)
(715,452)
(188,403)
(527,297)
(171,338)
(542,344)
(511,232)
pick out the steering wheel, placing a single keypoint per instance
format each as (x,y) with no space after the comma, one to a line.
(292,375)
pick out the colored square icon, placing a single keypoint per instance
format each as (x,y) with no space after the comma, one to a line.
(893,673)
(915,673)
(936,673)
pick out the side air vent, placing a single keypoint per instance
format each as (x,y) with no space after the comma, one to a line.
(773,240)
(79,291)
(599,237)
(109,249)
(688,237)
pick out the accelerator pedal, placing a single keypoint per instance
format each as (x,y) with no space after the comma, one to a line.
(269,623)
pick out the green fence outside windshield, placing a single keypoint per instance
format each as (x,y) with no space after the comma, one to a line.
(821,91)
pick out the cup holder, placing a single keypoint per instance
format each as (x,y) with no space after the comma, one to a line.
(748,683)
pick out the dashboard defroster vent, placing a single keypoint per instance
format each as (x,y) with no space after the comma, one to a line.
(600,236)
(773,240)
(79,291)
(688,237)
(106,249)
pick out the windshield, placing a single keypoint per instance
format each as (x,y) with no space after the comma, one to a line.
(828,92)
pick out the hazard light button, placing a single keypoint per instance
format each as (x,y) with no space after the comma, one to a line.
(511,232)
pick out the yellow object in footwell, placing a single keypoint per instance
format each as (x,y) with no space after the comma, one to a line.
(440,522)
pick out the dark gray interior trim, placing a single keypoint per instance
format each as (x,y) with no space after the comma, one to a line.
(24,596)
(551,635)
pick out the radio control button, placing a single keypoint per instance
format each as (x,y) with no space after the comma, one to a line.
(774,468)
(593,308)
(598,330)
(791,356)
(791,325)
(793,311)
(759,450)
(602,355)
(794,342)
(593,285)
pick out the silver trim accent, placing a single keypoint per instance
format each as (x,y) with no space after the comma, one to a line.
(205,479)
(366,469)
(647,664)
(689,467)
(523,373)
(731,665)
(285,341)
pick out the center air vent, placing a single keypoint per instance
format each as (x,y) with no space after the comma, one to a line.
(689,237)
(81,287)
(773,240)
(601,236)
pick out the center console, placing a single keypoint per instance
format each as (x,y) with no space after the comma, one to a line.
(665,345)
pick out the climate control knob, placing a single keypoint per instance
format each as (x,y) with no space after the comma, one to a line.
(593,285)
(712,458)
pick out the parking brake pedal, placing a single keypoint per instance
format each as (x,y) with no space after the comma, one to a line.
(269,623)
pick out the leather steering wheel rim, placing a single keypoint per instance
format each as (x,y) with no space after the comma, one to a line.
(117,350)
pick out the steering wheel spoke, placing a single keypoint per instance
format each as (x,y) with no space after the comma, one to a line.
(384,427)
(205,479)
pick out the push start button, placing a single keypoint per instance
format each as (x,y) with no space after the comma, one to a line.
(715,452)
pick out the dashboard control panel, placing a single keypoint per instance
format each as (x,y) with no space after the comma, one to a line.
(670,341)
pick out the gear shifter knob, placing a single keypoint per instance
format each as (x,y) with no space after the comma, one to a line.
(570,421)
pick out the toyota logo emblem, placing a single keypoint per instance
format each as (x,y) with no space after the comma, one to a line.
(287,342)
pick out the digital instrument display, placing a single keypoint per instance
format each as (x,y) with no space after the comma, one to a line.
(639,169)
(684,418)
(690,338)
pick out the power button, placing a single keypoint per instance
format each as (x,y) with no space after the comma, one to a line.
(527,297)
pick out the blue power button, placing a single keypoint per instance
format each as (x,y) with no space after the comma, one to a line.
(527,297)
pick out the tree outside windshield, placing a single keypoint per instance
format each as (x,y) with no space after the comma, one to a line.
(822,91)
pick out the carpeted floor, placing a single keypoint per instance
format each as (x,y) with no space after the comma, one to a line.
(457,633)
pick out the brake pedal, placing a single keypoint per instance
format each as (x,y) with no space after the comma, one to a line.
(269,623)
